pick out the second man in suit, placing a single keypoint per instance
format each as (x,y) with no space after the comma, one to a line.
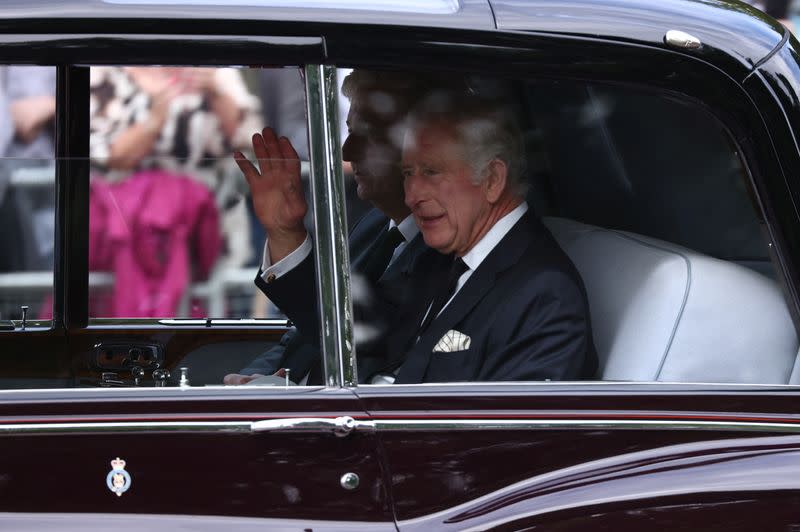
(385,246)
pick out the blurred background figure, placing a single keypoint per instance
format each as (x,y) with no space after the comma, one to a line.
(27,170)
(27,142)
(779,9)
(166,202)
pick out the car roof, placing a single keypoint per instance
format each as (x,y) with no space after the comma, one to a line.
(741,31)
(735,36)
(466,14)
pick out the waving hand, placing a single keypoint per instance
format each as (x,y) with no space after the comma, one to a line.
(277,191)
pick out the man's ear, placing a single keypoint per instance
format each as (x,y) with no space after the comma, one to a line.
(496,179)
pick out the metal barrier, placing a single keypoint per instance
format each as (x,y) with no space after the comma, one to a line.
(217,293)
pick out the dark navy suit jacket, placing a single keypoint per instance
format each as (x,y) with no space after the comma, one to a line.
(524,309)
(295,294)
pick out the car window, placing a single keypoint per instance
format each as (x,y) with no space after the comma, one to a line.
(27,195)
(169,218)
(645,255)
(175,238)
(175,235)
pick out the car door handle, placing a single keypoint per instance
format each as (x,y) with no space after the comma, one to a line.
(340,426)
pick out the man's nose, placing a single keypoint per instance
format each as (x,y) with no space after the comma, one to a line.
(411,188)
(352,147)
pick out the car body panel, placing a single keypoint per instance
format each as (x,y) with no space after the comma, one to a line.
(777,81)
(480,457)
(775,91)
(189,451)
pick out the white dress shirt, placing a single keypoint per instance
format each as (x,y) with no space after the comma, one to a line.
(475,256)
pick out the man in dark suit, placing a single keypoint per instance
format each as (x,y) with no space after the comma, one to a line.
(511,305)
(385,245)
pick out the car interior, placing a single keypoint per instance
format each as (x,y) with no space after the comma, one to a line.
(646,193)
(649,198)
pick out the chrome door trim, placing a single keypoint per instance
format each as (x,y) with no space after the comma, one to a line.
(328,198)
(343,425)
(339,426)
(125,426)
(578,424)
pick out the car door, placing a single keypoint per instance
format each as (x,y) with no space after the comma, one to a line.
(106,418)
(693,441)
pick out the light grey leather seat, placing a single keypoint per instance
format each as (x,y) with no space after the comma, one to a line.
(661,312)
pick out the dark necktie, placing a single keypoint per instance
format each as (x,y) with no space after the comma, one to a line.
(446,291)
(381,253)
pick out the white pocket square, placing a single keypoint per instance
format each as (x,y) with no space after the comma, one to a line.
(452,341)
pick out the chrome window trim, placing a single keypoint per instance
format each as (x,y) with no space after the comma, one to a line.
(404,425)
(391,425)
(586,384)
(330,225)
(594,388)
(124,426)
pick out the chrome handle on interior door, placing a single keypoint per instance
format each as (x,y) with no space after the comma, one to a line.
(340,426)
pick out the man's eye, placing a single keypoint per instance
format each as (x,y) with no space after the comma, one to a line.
(429,172)
(406,172)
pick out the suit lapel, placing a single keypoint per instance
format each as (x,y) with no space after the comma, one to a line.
(507,253)
(364,237)
(405,264)
(422,271)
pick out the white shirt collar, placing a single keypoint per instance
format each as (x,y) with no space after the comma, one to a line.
(475,256)
(407,227)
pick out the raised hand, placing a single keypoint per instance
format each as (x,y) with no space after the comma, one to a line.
(277,191)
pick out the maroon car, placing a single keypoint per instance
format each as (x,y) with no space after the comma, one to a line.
(662,154)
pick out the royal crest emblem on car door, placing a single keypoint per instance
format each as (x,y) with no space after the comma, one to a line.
(118,480)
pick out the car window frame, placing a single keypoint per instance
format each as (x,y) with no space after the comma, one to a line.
(70,285)
(671,73)
(534,55)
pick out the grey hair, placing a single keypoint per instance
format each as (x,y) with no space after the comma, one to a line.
(486,129)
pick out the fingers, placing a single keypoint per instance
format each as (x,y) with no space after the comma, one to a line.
(235,379)
(273,150)
(262,151)
(291,164)
(250,172)
(272,153)
(232,379)
(290,158)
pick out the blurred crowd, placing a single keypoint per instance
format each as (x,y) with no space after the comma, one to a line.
(782,10)
(168,205)
(165,208)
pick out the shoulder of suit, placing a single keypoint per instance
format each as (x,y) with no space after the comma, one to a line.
(370,219)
